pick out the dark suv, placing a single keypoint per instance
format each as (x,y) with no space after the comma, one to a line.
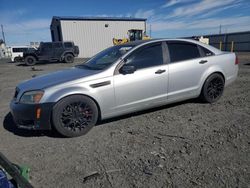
(52,51)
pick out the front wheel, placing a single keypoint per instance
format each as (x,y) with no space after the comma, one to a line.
(69,58)
(74,115)
(213,88)
(16,59)
(30,60)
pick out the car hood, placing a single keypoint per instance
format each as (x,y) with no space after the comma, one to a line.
(51,79)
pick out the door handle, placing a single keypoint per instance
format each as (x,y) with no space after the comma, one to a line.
(203,61)
(160,71)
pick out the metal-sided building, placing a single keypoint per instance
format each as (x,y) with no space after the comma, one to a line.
(93,34)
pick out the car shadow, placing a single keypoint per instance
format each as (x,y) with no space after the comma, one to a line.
(134,114)
(10,126)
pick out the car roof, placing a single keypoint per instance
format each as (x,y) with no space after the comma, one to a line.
(58,42)
(143,42)
(137,42)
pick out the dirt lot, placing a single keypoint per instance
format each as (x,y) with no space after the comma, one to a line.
(188,144)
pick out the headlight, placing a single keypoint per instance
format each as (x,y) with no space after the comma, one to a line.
(31,97)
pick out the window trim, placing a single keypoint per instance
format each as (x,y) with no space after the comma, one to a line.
(122,62)
(166,53)
(176,41)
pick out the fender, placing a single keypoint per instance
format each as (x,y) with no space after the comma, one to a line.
(54,97)
(30,54)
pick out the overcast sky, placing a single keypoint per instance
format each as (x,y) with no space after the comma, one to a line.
(26,21)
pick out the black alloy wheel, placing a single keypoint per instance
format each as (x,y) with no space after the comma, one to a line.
(75,115)
(213,88)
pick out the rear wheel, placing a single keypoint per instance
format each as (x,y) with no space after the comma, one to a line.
(69,58)
(75,115)
(213,88)
(30,60)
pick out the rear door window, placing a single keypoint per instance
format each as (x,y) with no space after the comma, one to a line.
(57,45)
(47,45)
(181,51)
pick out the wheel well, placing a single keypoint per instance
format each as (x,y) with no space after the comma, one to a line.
(218,73)
(221,75)
(68,53)
(98,107)
(210,75)
(31,56)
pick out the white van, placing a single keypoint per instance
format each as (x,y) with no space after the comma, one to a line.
(17,52)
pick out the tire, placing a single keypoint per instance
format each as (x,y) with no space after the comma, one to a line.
(16,59)
(74,115)
(69,58)
(213,88)
(30,60)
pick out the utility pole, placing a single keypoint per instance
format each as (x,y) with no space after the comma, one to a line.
(220,29)
(3,33)
(150,31)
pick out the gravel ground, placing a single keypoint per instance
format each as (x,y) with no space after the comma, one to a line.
(188,144)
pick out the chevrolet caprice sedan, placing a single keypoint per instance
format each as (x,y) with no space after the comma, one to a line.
(120,80)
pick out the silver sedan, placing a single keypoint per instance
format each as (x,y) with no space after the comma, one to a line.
(123,79)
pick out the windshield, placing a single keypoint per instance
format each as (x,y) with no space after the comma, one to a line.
(106,57)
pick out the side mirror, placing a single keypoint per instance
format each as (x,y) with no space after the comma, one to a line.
(127,69)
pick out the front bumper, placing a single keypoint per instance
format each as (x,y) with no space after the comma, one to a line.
(25,115)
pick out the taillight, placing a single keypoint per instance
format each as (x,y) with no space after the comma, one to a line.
(236,60)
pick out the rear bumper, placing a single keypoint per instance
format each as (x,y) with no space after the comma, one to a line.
(25,115)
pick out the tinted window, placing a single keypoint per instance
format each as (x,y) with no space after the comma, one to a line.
(19,49)
(180,51)
(146,57)
(68,44)
(16,49)
(47,45)
(57,45)
(206,52)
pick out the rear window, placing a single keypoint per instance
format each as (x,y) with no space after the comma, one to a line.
(68,45)
(181,51)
